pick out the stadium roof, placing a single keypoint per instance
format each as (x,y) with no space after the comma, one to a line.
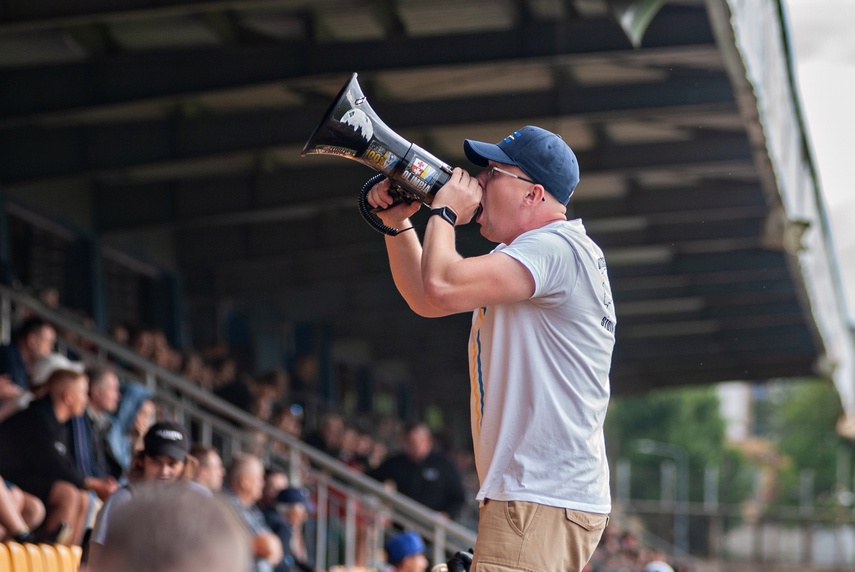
(178,126)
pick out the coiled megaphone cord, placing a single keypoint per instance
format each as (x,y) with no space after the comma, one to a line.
(366,211)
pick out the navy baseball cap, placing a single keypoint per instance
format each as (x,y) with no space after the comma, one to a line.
(541,154)
(295,496)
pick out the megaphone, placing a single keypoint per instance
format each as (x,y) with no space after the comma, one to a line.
(352,130)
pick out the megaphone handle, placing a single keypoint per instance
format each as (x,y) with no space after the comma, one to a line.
(365,208)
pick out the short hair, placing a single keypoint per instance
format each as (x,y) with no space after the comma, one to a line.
(238,466)
(202,453)
(96,375)
(173,528)
(60,380)
(30,326)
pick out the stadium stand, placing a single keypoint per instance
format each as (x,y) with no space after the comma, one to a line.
(353,514)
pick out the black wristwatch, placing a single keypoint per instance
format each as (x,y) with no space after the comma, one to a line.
(446,213)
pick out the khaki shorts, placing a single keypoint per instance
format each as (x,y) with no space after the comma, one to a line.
(517,535)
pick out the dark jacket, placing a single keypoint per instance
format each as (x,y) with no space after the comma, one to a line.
(93,456)
(34,447)
(12,364)
(435,482)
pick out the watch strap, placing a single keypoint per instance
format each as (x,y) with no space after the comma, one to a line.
(446,213)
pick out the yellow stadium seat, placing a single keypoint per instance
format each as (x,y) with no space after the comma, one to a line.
(76,555)
(35,557)
(67,561)
(50,558)
(5,559)
(18,557)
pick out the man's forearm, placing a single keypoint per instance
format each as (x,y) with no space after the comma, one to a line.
(440,254)
(405,261)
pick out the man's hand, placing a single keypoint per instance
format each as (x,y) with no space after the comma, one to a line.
(380,197)
(8,389)
(460,562)
(102,487)
(462,193)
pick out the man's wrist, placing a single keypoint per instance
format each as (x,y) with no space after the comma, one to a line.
(445,213)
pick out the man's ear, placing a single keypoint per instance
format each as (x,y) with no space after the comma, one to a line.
(535,194)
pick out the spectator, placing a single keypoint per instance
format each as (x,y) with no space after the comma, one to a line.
(275,481)
(329,436)
(423,474)
(405,551)
(40,371)
(245,479)
(161,461)
(172,529)
(255,396)
(34,454)
(210,472)
(134,417)
(289,420)
(90,448)
(34,338)
(294,506)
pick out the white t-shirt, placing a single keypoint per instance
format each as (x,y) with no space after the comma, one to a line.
(539,372)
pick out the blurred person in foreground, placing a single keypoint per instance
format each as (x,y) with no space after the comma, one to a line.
(173,529)
(540,344)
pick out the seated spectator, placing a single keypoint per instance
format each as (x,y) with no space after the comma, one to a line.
(32,339)
(34,454)
(423,474)
(289,420)
(172,529)
(256,396)
(245,481)
(90,448)
(294,506)
(161,461)
(329,436)
(406,552)
(275,481)
(13,524)
(40,371)
(134,416)
(210,472)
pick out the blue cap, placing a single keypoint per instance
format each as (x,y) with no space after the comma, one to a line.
(295,496)
(541,154)
(402,545)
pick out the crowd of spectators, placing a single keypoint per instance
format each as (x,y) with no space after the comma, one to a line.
(75,442)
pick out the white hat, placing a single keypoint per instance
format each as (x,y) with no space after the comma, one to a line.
(45,367)
(657,566)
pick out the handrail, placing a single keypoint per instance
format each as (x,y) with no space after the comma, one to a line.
(188,400)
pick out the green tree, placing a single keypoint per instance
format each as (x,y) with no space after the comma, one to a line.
(803,426)
(688,417)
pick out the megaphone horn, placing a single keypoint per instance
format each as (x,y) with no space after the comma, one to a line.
(352,130)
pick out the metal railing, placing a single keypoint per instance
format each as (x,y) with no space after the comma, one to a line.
(353,510)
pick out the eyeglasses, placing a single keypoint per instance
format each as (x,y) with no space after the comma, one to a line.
(491,172)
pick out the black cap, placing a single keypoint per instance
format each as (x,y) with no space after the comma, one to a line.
(167,438)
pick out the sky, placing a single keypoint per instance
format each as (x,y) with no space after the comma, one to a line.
(824,56)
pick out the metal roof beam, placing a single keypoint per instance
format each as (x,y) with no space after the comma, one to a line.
(140,76)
